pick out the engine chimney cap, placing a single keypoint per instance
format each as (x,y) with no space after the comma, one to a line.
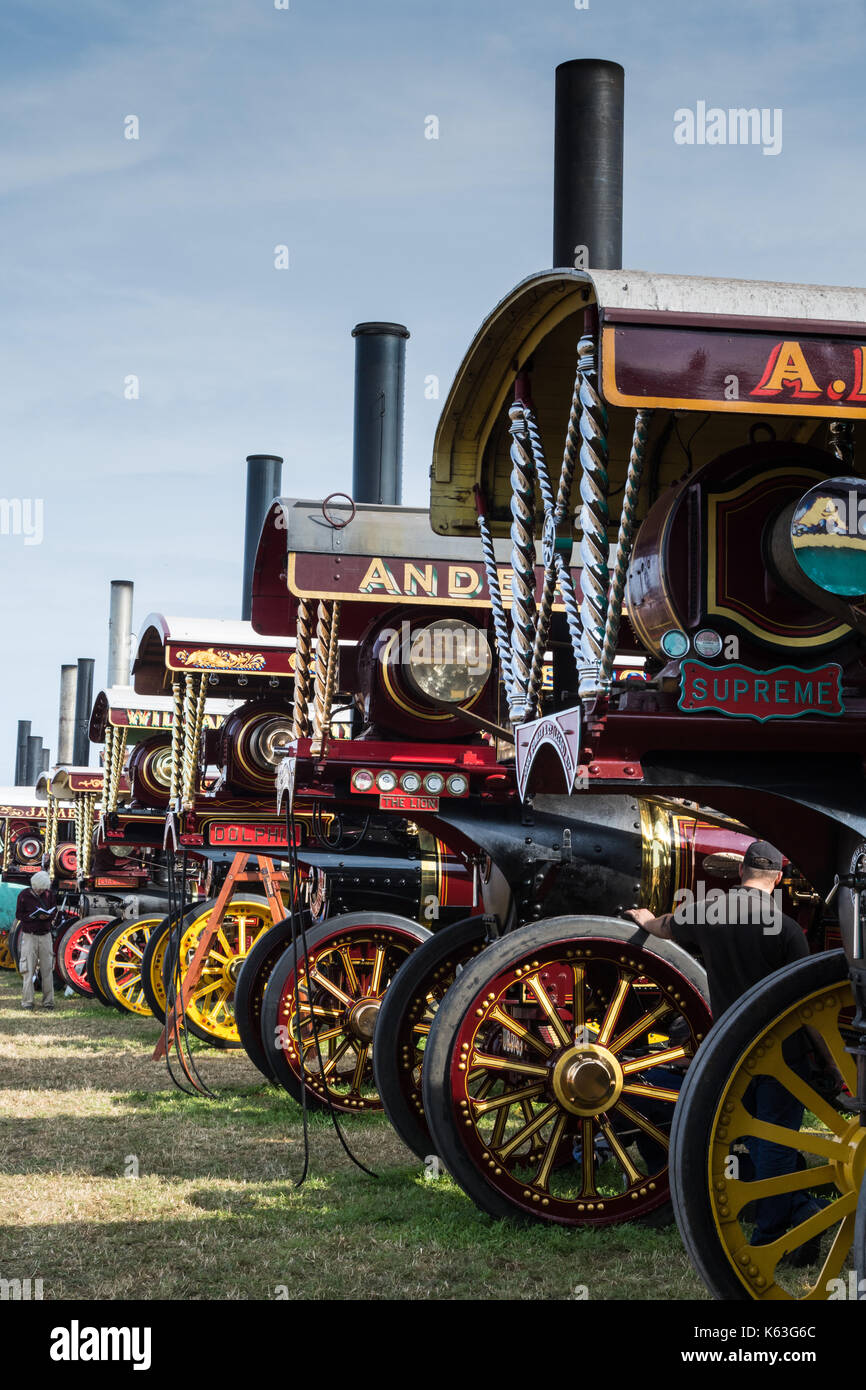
(398,330)
(590,63)
(253,458)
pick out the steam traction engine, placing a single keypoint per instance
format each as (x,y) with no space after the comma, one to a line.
(31,833)
(722,418)
(432,751)
(202,781)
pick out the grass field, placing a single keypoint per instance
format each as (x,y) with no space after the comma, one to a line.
(214,1212)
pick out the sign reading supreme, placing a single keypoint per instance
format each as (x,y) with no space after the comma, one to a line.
(783,693)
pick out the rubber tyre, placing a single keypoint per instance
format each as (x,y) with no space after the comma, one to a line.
(71,980)
(250,990)
(435,960)
(503,955)
(860,1242)
(91,969)
(156,1001)
(334,926)
(104,979)
(730,1037)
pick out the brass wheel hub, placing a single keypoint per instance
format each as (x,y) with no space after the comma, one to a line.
(362,1019)
(587,1079)
(233,969)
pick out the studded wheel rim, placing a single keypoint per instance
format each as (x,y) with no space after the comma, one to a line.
(418,1019)
(76,949)
(348,976)
(156,976)
(549,1079)
(831,1140)
(121,967)
(211,1004)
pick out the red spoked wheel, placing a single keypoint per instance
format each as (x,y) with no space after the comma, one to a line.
(73,948)
(326,1041)
(553,1066)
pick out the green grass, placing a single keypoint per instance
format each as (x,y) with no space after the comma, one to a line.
(215,1213)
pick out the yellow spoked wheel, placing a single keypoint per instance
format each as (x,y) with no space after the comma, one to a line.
(210,1011)
(153,969)
(766,1170)
(7,960)
(120,967)
(317,1028)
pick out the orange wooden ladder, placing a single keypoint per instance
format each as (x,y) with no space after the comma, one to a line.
(272,880)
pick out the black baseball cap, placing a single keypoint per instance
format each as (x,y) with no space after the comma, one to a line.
(762,855)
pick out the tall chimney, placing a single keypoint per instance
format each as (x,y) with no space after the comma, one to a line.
(21,753)
(34,759)
(46,759)
(588,145)
(264,480)
(380,365)
(83,707)
(120,632)
(66,721)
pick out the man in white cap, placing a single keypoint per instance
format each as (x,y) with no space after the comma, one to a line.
(35,911)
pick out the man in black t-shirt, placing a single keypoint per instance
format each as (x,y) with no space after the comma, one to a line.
(743,936)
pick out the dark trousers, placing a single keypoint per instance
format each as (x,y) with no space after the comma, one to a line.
(769,1101)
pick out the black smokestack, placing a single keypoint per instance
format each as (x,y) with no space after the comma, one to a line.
(83,707)
(264,480)
(46,759)
(380,365)
(587,189)
(21,753)
(34,759)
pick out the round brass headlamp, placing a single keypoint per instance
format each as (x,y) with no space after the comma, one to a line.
(269,742)
(160,767)
(448,661)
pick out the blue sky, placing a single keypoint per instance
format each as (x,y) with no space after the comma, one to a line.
(305,127)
